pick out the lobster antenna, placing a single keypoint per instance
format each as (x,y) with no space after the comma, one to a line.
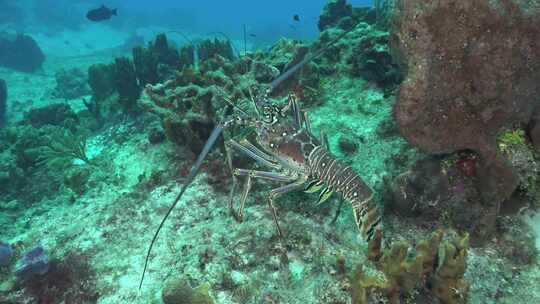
(194,170)
(285,75)
(245,47)
(183,36)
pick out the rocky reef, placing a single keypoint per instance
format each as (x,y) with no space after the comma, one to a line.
(466,83)
(21,53)
(436,124)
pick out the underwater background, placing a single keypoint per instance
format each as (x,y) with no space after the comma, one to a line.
(396,160)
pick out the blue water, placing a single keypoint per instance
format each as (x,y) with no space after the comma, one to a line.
(265,20)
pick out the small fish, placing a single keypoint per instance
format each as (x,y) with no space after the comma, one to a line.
(296,18)
(253,35)
(100,14)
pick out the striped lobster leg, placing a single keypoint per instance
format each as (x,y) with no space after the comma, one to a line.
(250,150)
(330,175)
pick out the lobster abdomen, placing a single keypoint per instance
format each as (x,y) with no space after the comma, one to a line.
(339,177)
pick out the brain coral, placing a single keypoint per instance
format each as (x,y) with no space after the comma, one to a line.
(473,69)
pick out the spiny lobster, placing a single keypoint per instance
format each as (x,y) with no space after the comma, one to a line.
(288,147)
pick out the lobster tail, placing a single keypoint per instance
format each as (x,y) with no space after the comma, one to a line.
(338,177)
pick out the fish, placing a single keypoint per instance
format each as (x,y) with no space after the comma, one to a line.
(102,13)
(253,35)
(296,18)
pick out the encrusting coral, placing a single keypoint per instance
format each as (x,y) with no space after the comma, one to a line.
(402,271)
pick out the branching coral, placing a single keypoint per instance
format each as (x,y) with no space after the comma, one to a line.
(436,264)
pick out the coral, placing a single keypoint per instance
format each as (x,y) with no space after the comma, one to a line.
(534,129)
(156,136)
(126,82)
(208,48)
(71,84)
(468,77)
(285,54)
(363,52)
(436,264)
(172,103)
(75,178)
(415,192)
(101,79)
(521,155)
(145,65)
(62,148)
(178,291)
(516,241)
(373,61)
(333,11)
(68,280)
(3,103)
(188,104)
(509,139)
(187,56)
(58,114)
(156,62)
(347,146)
(20,53)
(436,190)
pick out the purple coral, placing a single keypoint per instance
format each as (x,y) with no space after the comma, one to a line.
(35,262)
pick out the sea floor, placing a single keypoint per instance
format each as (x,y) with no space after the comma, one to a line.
(109,227)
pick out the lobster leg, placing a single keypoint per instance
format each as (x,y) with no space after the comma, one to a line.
(247,187)
(295,108)
(307,121)
(250,150)
(273,194)
(324,140)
